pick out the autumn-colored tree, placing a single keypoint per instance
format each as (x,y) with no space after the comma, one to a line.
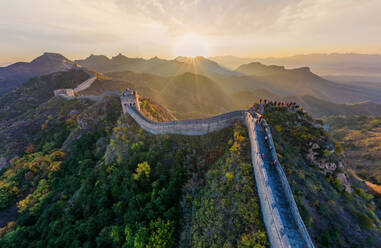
(44,126)
(8,228)
(30,149)
(143,169)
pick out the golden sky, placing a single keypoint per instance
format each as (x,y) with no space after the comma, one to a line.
(146,28)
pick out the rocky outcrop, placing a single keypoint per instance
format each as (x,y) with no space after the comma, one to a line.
(322,156)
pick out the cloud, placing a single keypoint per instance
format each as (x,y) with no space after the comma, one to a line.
(211,16)
(150,27)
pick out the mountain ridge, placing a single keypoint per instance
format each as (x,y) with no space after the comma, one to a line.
(13,75)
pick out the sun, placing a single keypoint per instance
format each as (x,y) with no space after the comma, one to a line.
(191,45)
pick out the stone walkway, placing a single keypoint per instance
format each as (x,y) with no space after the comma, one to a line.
(289,226)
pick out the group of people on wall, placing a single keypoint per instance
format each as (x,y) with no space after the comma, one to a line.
(127,92)
(279,105)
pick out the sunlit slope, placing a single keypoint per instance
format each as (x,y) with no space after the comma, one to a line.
(360,137)
(186,96)
(315,106)
(318,107)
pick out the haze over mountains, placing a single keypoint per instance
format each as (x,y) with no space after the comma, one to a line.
(200,87)
(348,67)
(155,65)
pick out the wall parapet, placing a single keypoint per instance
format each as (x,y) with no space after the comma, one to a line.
(70,93)
(272,223)
(186,127)
(287,190)
(85,85)
(275,226)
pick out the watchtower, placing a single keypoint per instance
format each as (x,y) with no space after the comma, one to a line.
(130,98)
(64,92)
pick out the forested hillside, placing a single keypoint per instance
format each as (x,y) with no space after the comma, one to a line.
(107,183)
(82,174)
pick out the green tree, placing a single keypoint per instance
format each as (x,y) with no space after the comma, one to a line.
(162,235)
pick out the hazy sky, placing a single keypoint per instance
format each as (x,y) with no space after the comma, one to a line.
(246,28)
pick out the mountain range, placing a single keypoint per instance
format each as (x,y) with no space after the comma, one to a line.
(155,65)
(343,67)
(198,86)
(300,81)
(278,79)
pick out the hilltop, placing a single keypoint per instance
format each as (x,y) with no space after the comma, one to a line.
(15,74)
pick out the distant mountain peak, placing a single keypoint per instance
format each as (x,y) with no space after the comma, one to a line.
(17,73)
(156,58)
(93,59)
(119,56)
(259,69)
(48,57)
(185,59)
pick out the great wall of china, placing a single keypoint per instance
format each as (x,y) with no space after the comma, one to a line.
(284,226)
(82,86)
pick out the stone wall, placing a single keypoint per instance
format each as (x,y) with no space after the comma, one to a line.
(275,227)
(186,127)
(70,93)
(64,92)
(270,218)
(130,98)
(287,190)
(85,85)
(100,97)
